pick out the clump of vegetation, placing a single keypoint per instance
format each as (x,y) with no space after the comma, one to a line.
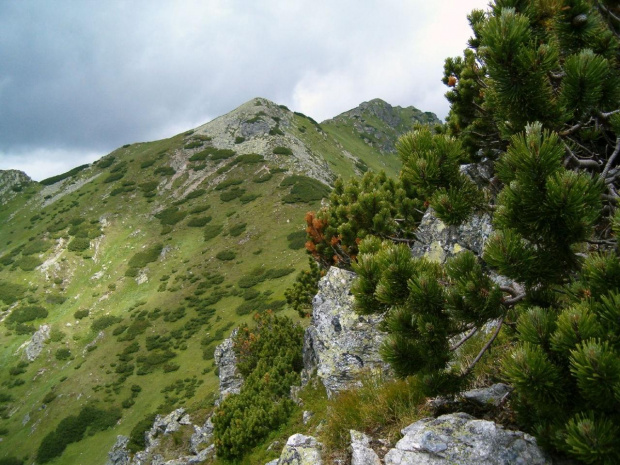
(199,222)
(236,229)
(304,189)
(104,322)
(232,194)
(228,183)
(36,246)
(90,420)
(171,216)
(296,240)
(26,314)
(29,263)
(239,139)
(137,437)
(269,358)
(282,151)
(299,296)
(79,244)
(165,171)
(212,230)
(226,255)
(68,174)
(79,314)
(260,178)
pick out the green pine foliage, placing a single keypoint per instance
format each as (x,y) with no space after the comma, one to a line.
(299,295)
(269,358)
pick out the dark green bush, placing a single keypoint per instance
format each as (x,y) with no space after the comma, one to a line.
(68,174)
(237,229)
(260,178)
(227,183)
(226,255)
(149,255)
(63,354)
(222,154)
(147,163)
(199,209)
(29,263)
(165,170)
(25,314)
(269,357)
(282,151)
(11,461)
(171,216)
(78,315)
(297,240)
(247,198)
(249,158)
(239,139)
(137,438)
(212,231)
(104,322)
(231,194)
(79,244)
(304,189)
(199,222)
(195,194)
(193,144)
(113,177)
(71,429)
(36,246)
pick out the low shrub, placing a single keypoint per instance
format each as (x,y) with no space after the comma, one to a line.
(226,255)
(147,163)
(297,240)
(137,437)
(228,183)
(143,258)
(231,194)
(171,216)
(68,174)
(113,177)
(25,314)
(304,189)
(195,194)
(104,322)
(165,171)
(63,354)
(81,314)
(239,140)
(194,144)
(71,429)
(237,229)
(29,263)
(212,230)
(247,198)
(36,246)
(262,178)
(282,151)
(249,158)
(79,244)
(199,222)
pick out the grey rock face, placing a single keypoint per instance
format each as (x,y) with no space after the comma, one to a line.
(438,241)
(11,182)
(339,343)
(226,360)
(202,435)
(460,438)
(301,450)
(119,455)
(489,396)
(37,342)
(170,423)
(361,452)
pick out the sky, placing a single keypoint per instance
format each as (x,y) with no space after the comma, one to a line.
(80,78)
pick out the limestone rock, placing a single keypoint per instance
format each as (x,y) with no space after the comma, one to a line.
(438,241)
(37,342)
(169,423)
(361,452)
(301,450)
(119,455)
(339,343)
(202,435)
(460,438)
(487,397)
(226,361)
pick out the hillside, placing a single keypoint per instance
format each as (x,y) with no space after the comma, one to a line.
(118,279)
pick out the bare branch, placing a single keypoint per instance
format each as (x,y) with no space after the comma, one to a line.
(486,347)
(606,116)
(509,290)
(611,159)
(516,299)
(473,331)
(583,163)
(574,128)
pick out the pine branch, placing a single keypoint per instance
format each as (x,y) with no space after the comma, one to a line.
(611,159)
(582,163)
(473,331)
(485,348)
(574,128)
(605,116)
(516,299)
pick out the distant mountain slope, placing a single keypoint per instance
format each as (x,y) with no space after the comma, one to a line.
(129,271)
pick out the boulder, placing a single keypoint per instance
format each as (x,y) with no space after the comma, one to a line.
(119,455)
(438,241)
(460,438)
(226,361)
(361,452)
(37,342)
(340,344)
(301,450)
(491,396)
(202,435)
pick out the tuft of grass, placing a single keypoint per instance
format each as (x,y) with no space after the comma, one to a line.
(379,407)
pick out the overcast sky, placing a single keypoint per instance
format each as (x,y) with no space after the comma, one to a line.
(81,78)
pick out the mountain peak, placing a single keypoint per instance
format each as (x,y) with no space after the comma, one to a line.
(12,182)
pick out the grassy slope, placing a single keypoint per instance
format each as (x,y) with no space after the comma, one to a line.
(98,282)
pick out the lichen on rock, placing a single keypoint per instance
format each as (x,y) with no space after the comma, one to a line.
(340,344)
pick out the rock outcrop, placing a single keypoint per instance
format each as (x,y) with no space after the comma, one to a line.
(361,452)
(460,438)
(226,361)
(11,183)
(340,344)
(119,454)
(301,450)
(37,342)
(438,241)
